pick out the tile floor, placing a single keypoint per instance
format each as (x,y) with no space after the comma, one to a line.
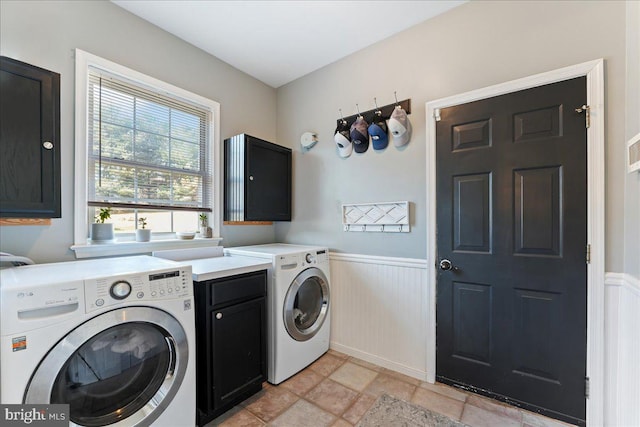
(337,390)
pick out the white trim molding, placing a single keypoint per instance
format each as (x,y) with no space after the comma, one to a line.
(594,71)
(622,350)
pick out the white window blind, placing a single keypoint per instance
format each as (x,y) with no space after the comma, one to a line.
(146,150)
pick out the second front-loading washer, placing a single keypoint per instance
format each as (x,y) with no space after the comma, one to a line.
(299,302)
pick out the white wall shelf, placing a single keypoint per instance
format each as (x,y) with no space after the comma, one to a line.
(380,217)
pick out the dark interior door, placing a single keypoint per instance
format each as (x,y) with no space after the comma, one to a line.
(511,192)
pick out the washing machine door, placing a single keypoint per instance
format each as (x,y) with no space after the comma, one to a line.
(306,305)
(122,367)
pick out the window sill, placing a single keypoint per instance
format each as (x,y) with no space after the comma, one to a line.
(131,248)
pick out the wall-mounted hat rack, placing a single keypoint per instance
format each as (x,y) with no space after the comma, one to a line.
(383,217)
(369,114)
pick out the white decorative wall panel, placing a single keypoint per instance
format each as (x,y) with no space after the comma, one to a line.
(379,311)
(622,405)
(386,217)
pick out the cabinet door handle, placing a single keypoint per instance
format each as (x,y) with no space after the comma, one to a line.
(48,145)
(250,177)
(218,316)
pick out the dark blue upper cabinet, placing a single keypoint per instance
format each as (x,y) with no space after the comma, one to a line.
(257,180)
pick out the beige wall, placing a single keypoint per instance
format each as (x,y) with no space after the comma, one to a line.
(46,33)
(632,189)
(475,45)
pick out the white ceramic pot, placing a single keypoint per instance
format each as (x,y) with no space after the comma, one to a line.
(143,235)
(101,233)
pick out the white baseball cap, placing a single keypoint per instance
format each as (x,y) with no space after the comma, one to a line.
(400,127)
(343,143)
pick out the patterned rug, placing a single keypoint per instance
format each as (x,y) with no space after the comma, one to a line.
(388,411)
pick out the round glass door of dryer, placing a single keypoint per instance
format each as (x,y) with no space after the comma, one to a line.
(306,304)
(114,374)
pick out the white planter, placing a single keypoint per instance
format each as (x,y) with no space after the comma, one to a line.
(206,231)
(143,235)
(101,233)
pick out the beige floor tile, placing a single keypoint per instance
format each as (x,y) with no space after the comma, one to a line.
(439,403)
(326,364)
(332,397)
(338,354)
(359,408)
(268,404)
(392,386)
(353,376)
(495,406)
(365,364)
(342,423)
(242,418)
(303,413)
(478,417)
(445,390)
(529,419)
(402,377)
(301,383)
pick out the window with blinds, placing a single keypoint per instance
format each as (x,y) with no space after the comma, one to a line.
(148,155)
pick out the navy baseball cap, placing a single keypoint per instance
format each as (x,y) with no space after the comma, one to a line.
(378,133)
(359,135)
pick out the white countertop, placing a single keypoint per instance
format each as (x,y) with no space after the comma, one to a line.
(224,266)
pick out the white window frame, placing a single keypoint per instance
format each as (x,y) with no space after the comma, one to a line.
(82,248)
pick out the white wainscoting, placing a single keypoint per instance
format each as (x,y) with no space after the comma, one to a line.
(379,311)
(622,337)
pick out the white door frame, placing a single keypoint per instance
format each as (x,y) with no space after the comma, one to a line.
(594,71)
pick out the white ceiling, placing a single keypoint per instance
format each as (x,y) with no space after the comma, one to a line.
(279,41)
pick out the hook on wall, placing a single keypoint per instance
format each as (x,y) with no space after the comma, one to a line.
(377,112)
(344,122)
(395,95)
(383,112)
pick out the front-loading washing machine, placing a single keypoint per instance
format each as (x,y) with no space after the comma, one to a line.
(112,338)
(299,302)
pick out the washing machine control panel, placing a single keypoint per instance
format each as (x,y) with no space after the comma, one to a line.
(292,261)
(148,286)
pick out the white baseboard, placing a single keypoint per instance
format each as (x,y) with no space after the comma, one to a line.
(385,363)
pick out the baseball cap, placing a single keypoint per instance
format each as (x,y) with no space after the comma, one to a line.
(378,133)
(359,135)
(400,127)
(342,140)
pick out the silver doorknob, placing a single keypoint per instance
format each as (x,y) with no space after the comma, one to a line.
(218,316)
(446,265)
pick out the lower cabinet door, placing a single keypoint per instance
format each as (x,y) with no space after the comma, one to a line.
(239,350)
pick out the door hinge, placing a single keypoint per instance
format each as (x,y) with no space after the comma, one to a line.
(586,387)
(586,110)
(588,256)
(436,114)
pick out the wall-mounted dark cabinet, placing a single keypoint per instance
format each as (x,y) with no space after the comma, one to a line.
(257,180)
(29,141)
(231,342)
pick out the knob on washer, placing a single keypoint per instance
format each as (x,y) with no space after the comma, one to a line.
(120,290)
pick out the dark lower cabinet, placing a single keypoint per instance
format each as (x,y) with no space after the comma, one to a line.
(230,342)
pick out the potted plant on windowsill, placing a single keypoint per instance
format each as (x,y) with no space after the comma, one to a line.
(205,231)
(143,234)
(102,232)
